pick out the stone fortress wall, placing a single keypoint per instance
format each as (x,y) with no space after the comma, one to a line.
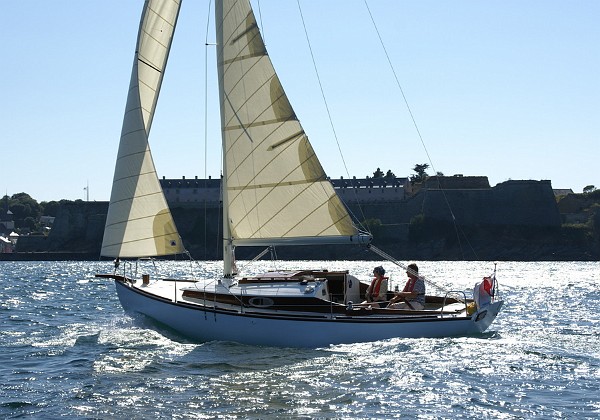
(392,204)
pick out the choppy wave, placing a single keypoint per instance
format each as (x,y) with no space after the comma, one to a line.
(67,349)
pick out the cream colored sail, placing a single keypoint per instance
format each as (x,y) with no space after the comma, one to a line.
(139,222)
(276,191)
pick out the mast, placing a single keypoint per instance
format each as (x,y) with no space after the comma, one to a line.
(275,191)
(229,268)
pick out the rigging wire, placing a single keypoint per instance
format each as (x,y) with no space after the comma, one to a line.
(256,258)
(206,45)
(328,111)
(262,27)
(414,121)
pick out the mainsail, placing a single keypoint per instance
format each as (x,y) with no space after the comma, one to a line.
(139,222)
(275,190)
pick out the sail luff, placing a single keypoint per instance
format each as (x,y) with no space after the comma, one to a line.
(139,222)
(275,189)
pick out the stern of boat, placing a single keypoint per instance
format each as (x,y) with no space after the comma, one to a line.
(484,316)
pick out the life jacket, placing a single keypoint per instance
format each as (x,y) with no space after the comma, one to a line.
(376,286)
(410,285)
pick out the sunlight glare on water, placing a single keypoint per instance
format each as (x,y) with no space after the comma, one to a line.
(67,349)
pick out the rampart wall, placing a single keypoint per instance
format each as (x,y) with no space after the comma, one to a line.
(512,207)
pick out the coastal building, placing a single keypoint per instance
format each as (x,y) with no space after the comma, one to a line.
(6,246)
(191,191)
(7,223)
(372,190)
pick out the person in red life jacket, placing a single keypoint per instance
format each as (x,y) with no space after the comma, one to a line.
(413,294)
(377,290)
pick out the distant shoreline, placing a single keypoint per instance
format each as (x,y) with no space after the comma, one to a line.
(84,256)
(49,256)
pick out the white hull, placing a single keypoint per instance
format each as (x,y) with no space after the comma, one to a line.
(203,323)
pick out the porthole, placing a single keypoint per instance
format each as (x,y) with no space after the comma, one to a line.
(261,302)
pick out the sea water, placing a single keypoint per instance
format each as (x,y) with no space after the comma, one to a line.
(68,350)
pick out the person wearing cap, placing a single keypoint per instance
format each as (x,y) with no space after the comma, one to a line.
(413,294)
(377,290)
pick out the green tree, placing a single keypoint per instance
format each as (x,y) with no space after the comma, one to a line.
(390,174)
(378,173)
(421,173)
(50,208)
(589,189)
(24,207)
(30,223)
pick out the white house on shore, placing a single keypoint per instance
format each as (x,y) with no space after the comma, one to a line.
(6,246)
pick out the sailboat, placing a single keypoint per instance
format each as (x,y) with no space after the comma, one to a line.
(275,193)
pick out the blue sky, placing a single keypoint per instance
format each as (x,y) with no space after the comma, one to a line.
(507,89)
